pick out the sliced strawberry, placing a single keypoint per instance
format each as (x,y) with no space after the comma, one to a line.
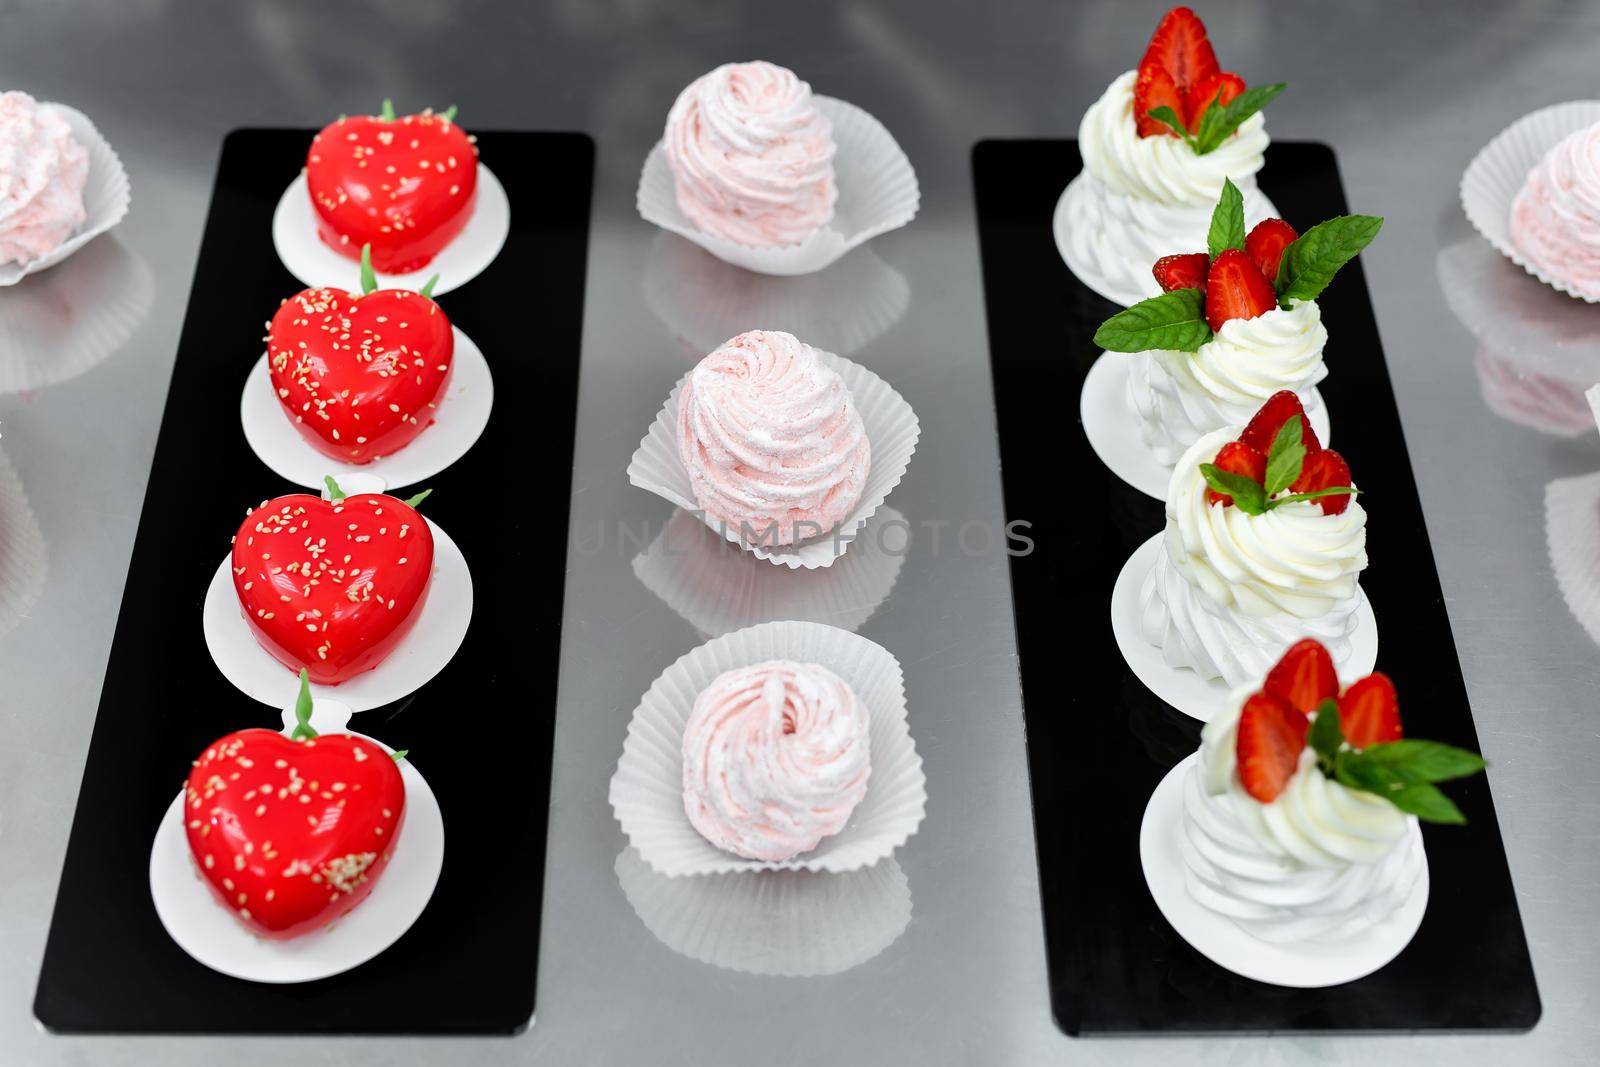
(1222,88)
(1266,243)
(1272,734)
(1325,469)
(1369,711)
(1155,88)
(1264,424)
(1179,46)
(1182,272)
(1236,457)
(1236,289)
(1304,676)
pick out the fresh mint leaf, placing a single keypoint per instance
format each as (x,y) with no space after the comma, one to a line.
(1310,262)
(1248,496)
(1286,456)
(1426,803)
(1356,770)
(1420,762)
(1327,733)
(1169,117)
(1315,494)
(1175,320)
(1227,221)
(1219,121)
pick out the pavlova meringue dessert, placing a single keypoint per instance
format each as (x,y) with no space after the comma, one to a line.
(1233,325)
(43,170)
(751,156)
(1156,149)
(1555,218)
(1264,544)
(1300,813)
(775,758)
(772,441)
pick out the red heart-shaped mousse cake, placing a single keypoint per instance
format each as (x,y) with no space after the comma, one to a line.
(360,376)
(405,185)
(292,834)
(332,586)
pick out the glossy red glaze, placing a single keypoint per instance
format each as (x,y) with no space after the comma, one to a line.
(405,186)
(291,835)
(360,376)
(332,586)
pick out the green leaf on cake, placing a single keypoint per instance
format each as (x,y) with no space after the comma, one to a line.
(1247,494)
(1227,221)
(1169,118)
(1403,773)
(1310,262)
(1327,734)
(1219,121)
(1286,456)
(1175,320)
(1418,762)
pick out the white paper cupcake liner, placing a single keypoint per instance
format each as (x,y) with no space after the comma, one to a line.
(1497,173)
(469,253)
(106,196)
(788,923)
(705,301)
(1539,349)
(68,320)
(459,420)
(877,192)
(647,789)
(193,918)
(1572,536)
(717,588)
(892,429)
(24,559)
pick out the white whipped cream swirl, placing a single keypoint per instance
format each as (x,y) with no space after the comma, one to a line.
(775,758)
(1229,591)
(752,156)
(1319,863)
(43,170)
(1182,396)
(1141,198)
(772,441)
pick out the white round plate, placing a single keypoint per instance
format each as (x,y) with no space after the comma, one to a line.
(460,418)
(294,235)
(1307,965)
(1112,426)
(207,931)
(1179,686)
(420,655)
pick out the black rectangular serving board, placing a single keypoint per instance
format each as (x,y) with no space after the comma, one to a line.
(468,966)
(1099,742)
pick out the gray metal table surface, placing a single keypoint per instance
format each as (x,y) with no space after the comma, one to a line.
(1406,94)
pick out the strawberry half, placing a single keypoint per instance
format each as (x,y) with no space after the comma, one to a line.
(1236,289)
(291,835)
(1155,88)
(1369,711)
(360,376)
(405,185)
(1265,244)
(1222,88)
(1182,272)
(1325,469)
(332,586)
(1179,46)
(1236,457)
(1272,734)
(1304,677)
(1264,425)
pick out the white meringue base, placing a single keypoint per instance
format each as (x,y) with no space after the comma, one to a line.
(1183,688)
(1299,965)
(646,791)
(189,911)
(790,923)
(1111,242)
(1115,431)
(878,192)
